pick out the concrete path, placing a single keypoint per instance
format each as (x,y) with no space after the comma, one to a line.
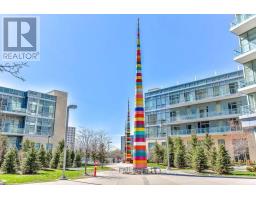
(116,178)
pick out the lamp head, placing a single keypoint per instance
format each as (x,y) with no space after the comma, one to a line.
(72,106)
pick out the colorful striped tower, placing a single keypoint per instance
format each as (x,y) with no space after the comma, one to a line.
(128,137)
(140,155)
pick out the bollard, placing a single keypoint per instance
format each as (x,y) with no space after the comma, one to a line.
(95,169)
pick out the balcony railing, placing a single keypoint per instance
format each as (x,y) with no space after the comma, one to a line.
(10,109)
(194,116)
(12,130)
(196,98)
(248,110)
(245,83)
(245,48)
(240,19)
(210,130)
(198,131)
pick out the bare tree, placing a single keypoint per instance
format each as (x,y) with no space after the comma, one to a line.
(84,141)
(103,146)
(13,69)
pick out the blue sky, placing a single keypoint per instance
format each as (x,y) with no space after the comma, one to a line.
(92,57)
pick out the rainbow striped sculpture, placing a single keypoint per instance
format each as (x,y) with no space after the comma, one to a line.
(140,155)
(128,148)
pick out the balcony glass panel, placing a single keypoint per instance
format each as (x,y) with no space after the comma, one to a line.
(239,18)
(217,129)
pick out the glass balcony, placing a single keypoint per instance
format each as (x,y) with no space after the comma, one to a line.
(245,48)
(196,116)
(15,110)
(248,110)
(203,115)
(210,130)
(11,130)
(240,18)
(245,83)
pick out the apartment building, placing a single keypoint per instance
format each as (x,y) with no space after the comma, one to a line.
(36,116)
(211,105)
(71,136)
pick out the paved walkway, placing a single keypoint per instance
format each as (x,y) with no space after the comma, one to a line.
(116,178)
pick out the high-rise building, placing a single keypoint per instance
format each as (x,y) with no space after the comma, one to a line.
(211,105)
(244,26)
(71,136)
(36,116)
(123,144)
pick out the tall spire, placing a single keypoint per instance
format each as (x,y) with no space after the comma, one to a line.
(128,136)
(140,156)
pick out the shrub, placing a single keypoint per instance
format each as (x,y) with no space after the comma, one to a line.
(251,168)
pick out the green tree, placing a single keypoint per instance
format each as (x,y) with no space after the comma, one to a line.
(199,161)
(223,161)
(171,153)
(55,159)
(213,158)
(42,157)
(194,142)
(26,145)
(9,165)
(17,154)
(158,153)
(56,155)
(208,143)
(30,163)
(61,160)
(72,156)
(48,157)
(191,151)
(68,158)
(3,148)
(179,155)
(78,159)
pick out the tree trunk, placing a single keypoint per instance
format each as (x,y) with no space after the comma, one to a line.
(85,165)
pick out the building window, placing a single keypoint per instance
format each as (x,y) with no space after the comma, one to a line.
(37,146)
(201,94)
(221,142)
(175,98)
(216,90)
(49,147)
(173,116)
(187,96)
(232,107)
(233,87)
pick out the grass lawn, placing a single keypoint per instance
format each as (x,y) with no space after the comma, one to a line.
(161,166)
(45,175)
(242,173)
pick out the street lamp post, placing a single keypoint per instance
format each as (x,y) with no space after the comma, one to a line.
(63,177)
